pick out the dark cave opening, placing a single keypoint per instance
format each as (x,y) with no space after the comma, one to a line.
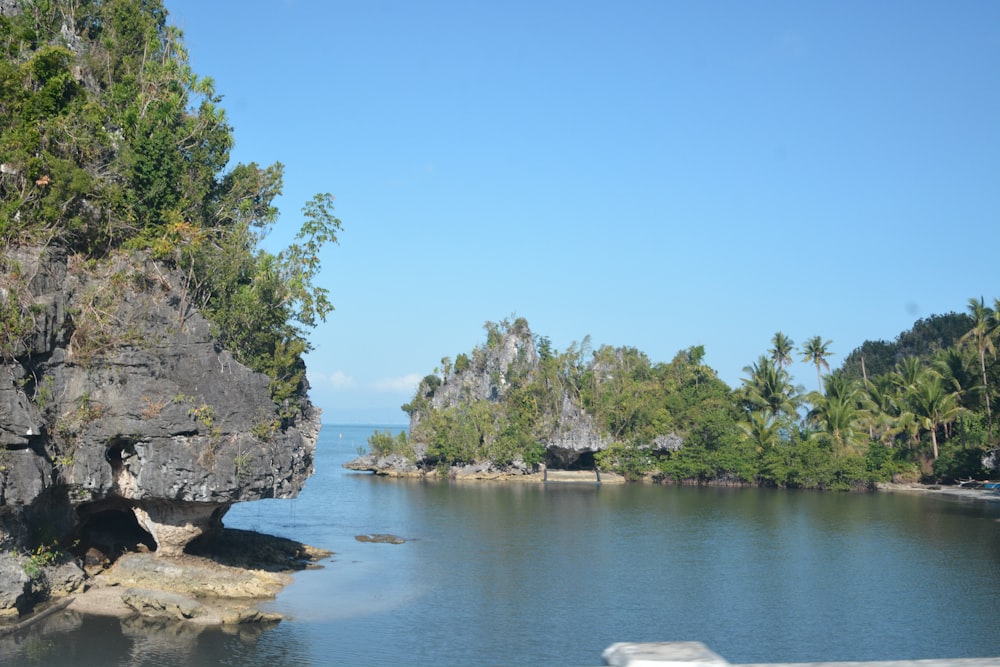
(117,451)
(562,460)
(106,532)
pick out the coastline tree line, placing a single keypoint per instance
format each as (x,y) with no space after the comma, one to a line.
(919,408)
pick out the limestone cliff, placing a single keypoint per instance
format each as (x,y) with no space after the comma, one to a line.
(123,425)
(508,364)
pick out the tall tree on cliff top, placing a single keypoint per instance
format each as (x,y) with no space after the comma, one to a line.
(815,351)
(981,336)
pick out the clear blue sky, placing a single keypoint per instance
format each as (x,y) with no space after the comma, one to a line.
(652,173)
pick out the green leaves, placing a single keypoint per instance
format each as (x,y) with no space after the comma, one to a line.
(114,142)
(300,262)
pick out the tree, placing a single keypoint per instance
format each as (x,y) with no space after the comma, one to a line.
(956,369)
(933,405)
(781,350)
(926,338)
(884,416)
(981,336)
(815,351)
(762,431)
(768,388)
(840,412)
(114,144)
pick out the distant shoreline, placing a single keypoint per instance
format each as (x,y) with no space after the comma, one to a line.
(590,477)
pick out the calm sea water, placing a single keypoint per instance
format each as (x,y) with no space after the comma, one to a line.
(519,574)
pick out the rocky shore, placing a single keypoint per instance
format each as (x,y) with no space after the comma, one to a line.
(589,476)
(222,583)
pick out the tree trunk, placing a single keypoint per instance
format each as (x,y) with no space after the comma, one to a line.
(986,392)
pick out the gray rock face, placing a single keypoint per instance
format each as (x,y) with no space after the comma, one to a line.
(10,7)
(487,378)
(573,432)
(577,434)
(119,399)
(16,590)
(991,461)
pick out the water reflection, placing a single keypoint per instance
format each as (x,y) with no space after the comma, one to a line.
(69,638)
(531,574)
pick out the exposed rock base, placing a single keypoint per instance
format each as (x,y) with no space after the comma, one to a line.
(124,427)
(238,570)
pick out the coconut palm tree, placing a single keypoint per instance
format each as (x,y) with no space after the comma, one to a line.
(781,350)
(884,408)
(933,405)
(981,335)
(769,388)
(762,430)
(815,351)
(841,413)
(907,373)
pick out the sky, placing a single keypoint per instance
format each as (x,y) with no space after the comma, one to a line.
(650,173)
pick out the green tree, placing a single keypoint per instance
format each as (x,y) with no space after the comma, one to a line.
(981,336)
(111,142)
(781,349)
(815,351)
(840,411)
(769,388)
(762,430)
(933,405)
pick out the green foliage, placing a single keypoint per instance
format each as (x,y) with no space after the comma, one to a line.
(632,399)
(425,391)
(16,319)
(627,460)
(111,141)
(923,340)
(384,444)
(456,437)
(928,416)
(42,556)
(265,428)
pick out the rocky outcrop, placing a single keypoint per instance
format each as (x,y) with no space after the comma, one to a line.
(123,425)
(569,434)
(991,462)
(576,435)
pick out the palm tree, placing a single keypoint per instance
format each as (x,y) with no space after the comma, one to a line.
(907,373)
(884,415)
(815,351)
(981,334)
(933,405)
(762,430)
(841,413)
(781,352)
(769,388)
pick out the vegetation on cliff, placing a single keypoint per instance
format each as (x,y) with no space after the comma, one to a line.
(111,143)
(915,408)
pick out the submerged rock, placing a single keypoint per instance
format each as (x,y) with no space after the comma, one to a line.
(380,538)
